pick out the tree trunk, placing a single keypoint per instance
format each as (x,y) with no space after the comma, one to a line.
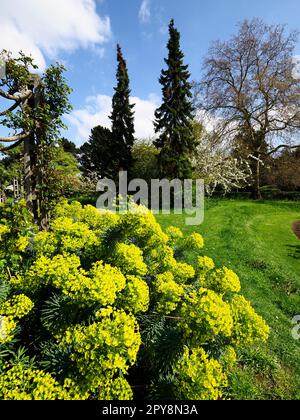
(40,139)
(256,193)
(29,163)
(28,173)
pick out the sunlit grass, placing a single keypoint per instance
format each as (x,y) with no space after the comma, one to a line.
(256,240)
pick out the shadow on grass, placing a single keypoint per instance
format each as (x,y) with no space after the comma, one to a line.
(281,204)
(294,251)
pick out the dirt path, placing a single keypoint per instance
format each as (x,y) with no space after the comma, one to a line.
(296,229)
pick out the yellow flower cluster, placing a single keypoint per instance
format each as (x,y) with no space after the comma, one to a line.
(141,227)
(22,243)
(169,293)
(45,271)
(73,236)
(18,383)
(136,295)
(194,242)
(129,258)
(66,236)
(116,389)
(3,230)
(101,284)
(161,259)
(11,310)
(7,327)
(105,283)
(104,348)
(72,210)
(183,272)
(205,264)
(174,234)
(198,377)
(222,280)
(249,327)
(45,243)
(95,219)
(205,316)
(16,307)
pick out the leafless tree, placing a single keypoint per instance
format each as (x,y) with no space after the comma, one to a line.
(250,86)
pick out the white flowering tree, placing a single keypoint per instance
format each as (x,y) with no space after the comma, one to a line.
(214,163)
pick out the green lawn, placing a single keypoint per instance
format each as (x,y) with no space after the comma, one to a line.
(255,239)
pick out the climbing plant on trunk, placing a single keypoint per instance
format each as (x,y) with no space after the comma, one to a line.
(34,120)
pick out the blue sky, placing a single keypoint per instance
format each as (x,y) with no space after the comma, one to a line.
(83,33)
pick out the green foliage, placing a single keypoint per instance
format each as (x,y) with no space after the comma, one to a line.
(54,103)
(63,174)
(122,117)
(18,78)
(98,155)
(69,147)
(10,167)
(173,122)
(145,158)
(53,97)
(16,228)
(109,151)
(103,304)
(39,103)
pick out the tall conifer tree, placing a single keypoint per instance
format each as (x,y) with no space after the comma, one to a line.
(173,119)
(122,117)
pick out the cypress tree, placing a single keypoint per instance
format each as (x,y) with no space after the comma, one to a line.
(173,120)
(122,117)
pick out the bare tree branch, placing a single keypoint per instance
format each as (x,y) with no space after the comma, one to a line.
(11,109)
(21,137)
(11,147)
(282,146)
(16,98)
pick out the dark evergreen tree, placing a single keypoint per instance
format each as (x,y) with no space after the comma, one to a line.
(69,146)
(173,120)
(98,155)
(122,117)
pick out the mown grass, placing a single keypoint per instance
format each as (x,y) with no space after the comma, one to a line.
(255,239)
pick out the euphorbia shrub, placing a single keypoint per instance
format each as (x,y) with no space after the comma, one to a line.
(104,306)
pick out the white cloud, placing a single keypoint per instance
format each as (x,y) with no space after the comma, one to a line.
(98,108)
(95,112)
(144,116)
(145,11)
(48,27)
